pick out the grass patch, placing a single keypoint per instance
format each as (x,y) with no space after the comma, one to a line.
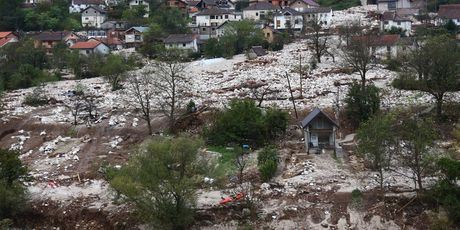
(226,160)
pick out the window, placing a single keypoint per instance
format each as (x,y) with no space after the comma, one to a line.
(392,5)
(87,51)
(268,35)
(212,17)
(204,29)
(257,14)
(183,44)
(296,21)
(386,22)
(226,16)
(388,48)
(399,23)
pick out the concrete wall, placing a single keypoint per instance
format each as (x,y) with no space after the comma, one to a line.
(280,22)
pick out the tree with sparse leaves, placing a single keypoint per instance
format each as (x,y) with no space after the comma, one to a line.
(433,68)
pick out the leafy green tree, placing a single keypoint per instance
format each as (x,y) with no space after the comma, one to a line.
(11,15)
(279,41)
(212,48)
(375,138)
(267,162)
(451,27)
(171,20)
(362,104)
(243,122)
(114,70)
(152,45)
(161,180)
(135,15)
(418,135)
(12,192)
(447,192)
(433,68)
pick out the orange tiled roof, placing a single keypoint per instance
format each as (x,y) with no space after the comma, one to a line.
(86,45)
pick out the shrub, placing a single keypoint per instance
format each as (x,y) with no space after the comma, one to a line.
(12,192)
(244,123)
(356,198)
(361,105)
(267,162)
(36,98)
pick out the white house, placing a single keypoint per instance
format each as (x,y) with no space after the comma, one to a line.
(188,42)
(391,5)
(134,35)
(91,47)
(206,22)
(391,20)
(322,14)
(215,17)
(135,3)
(93,17)
(76,6)
(259,10)
(288,17)
(449,12)
(300,5)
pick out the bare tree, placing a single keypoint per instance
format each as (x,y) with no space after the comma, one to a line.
(75,105)
(170,85)
(259,94)
(359,55)
(141,94)
(318,39)
(347,31)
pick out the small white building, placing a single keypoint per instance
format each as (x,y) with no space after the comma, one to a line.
(188,42)
(259,10)
(135,3)
(322,14)
(288,17)
(76,6)
(91,47)
(392,5)
(449,12)
(391,20)
(93,17)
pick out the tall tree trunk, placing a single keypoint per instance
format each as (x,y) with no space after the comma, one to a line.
(439,101)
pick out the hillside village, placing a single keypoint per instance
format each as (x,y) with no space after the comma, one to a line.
(222,114)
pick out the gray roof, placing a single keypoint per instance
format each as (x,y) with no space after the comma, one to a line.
(88,2)
(308,2)
(261,6)
(99,9)
(179,38)
(141,29)
(316,10)
(313,114)
(51,36)
(288,10)
(215,11)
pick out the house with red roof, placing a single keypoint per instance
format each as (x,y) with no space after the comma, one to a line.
(7,37)
(91,47)
(449,12)
(382,46)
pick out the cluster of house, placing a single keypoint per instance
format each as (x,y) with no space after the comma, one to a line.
(210,19)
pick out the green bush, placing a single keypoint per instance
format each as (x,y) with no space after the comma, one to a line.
(447,191)
(36,98)
(267,163)
(12,192)
(362,104)
(244,123)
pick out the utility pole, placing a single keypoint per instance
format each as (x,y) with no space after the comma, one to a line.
(300,73)
(292,96)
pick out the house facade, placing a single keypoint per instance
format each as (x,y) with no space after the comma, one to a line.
(76,6)
(301,5)
(288,18)
(259,10)
(93,17)
(221,4)
(323,15)
(186,42)
(48,40)
(391,20)
(91,47)
(144,3)
(134,36)
(392,5)
(319,130)
(269,33)
(207,22)
(449,12)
